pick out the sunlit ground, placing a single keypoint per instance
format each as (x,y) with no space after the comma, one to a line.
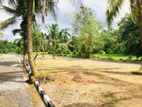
(87,83)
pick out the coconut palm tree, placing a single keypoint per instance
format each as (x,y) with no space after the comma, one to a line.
(18,11)
(27,10)
(33,6)
(43,7)
(39,6)
(136,10)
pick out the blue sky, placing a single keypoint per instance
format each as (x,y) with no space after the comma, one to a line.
(64,17)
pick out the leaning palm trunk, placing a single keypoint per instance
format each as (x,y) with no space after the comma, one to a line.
(53,51)
(139,23)
(140,27)
(140,70)
(29,37)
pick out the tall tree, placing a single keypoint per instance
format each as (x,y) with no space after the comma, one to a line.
(42,6)
(29,36)
(53,38)
(56,37)
(128,34)
(86,26)
(18,11)
(33,7)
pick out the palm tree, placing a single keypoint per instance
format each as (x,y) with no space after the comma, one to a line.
(27,10)
(43,7)
(33,6)
(17,11)
(136,10)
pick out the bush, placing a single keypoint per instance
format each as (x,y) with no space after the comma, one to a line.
(102,52)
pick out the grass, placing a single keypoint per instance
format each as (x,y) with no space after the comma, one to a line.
(116,57)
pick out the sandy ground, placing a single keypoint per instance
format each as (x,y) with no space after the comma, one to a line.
(87,83)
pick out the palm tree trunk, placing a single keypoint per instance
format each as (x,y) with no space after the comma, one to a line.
(24,51)
(29,36)
(53,53)
(43,50)
(139,23)
(140,70)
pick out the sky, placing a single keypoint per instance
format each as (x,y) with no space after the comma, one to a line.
(64,15)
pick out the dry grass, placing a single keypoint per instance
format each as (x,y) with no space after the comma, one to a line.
(87,83)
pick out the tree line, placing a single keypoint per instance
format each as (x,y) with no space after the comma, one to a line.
(86,39)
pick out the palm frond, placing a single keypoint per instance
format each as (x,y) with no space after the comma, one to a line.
(47,6)
(112,10)
(76,2)
(15,31)
(133,11)
(7,22)
(8,9)
(13,2)
(51,7)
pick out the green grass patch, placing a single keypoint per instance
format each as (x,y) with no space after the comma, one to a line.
(116,57)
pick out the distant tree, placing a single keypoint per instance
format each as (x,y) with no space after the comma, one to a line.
(128,33)
(55,38)
(7,47)
(18,10)
(73,45)
(39,39)
(86,26)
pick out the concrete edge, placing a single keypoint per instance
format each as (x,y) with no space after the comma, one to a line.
(47,101)
(43,95)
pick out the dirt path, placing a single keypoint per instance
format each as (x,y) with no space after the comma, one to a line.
(86,83)
(13,90)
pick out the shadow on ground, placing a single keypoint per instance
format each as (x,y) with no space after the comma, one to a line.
(98,72)
(8,63)
(12,76)
(81,105)
(132,90)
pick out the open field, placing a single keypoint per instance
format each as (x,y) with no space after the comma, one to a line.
(86,83)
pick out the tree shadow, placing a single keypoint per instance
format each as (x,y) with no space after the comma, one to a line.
(114,100)
(98,72)
(116,72)
(8,63)
(80,105)
(137,73)
(12,76)
(106,80)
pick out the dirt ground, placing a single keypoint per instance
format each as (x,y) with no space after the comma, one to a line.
(88,83)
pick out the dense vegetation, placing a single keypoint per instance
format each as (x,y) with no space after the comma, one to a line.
(7,47)
(90,37)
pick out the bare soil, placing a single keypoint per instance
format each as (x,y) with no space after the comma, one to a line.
(88,83)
